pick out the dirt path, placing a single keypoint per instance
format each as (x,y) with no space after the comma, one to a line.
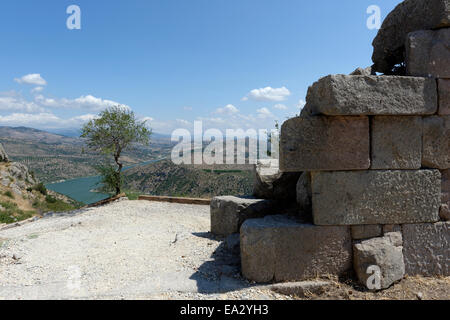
(126,250)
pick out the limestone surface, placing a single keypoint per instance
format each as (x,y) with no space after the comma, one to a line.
(325,143)
(271,183)
(366,231)
(426,249)
(436,142)
(428,53)
(382,253)
(408,16)
(281,249)
(396,142)
(376,197)
(444,96)
(342,95)
(228,213)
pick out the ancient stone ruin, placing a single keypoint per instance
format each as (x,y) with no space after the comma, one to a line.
(368,160)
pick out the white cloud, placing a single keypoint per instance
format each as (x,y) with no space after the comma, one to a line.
(14,102)
(301,104)
(88,102)
(228,109)
(268,94)
(280,106)
(44,120)
(34,79)
(264,113)
(37,90)
(187,108)
(183,122)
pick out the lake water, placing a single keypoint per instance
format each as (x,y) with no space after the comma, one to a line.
(79,189)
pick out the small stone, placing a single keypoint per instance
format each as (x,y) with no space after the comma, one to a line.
(301,289)
(362,72)
(381,253)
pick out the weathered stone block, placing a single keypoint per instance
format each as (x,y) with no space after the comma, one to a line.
(376,197)
(388,228)
(385,253)
(325,143)
(444,96)
(436,142)
(341,95)
(271,183)
(366,231)
(408,16)
(396,142)
(228,213)
(426,248)
(445,196)
(304,194)
(428,53)
(281,249)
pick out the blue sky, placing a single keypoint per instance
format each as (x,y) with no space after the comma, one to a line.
(230,63)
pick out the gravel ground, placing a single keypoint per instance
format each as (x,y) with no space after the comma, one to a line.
(125,250)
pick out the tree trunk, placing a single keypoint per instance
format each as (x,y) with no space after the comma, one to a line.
(119,171)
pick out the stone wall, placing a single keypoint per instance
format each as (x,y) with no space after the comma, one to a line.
(375,155)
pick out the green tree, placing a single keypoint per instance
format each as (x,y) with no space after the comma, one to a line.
(114,131)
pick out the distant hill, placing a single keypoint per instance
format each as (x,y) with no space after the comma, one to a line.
(167,179)
(53,157)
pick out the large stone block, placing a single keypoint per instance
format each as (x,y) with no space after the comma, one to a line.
(408,16)
(436,142)
(281,249)
(271,183)
(228,212)
(426,249)
(366,231)
(445,196)
(325,143)
(304,194)
(376,197)
(342,95)
(428,53)
(396,142)
(444,96)
(383,253)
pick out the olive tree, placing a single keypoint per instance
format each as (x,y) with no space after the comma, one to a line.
(114,131)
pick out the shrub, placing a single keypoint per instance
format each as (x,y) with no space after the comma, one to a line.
(50,199)
(9,194)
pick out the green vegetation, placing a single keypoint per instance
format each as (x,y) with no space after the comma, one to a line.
(114,131)
(52,204)
(40,187)
(132,195)
(9,194)
(11,213)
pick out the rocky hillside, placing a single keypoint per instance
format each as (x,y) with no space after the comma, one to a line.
(167,179)
(21,194)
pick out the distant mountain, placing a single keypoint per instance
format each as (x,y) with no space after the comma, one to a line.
(54,157)
(167,179)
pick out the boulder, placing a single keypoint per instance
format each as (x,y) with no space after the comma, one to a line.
(428,53)
(376,197)
(384,253)
(324,143)
(426,248)
(271,183)
(3,154)
(436,142)
(444,97)
(396,142)
(408,16)
(280,248)
(366,231)
(228,212)
(342,95)
(304,194)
